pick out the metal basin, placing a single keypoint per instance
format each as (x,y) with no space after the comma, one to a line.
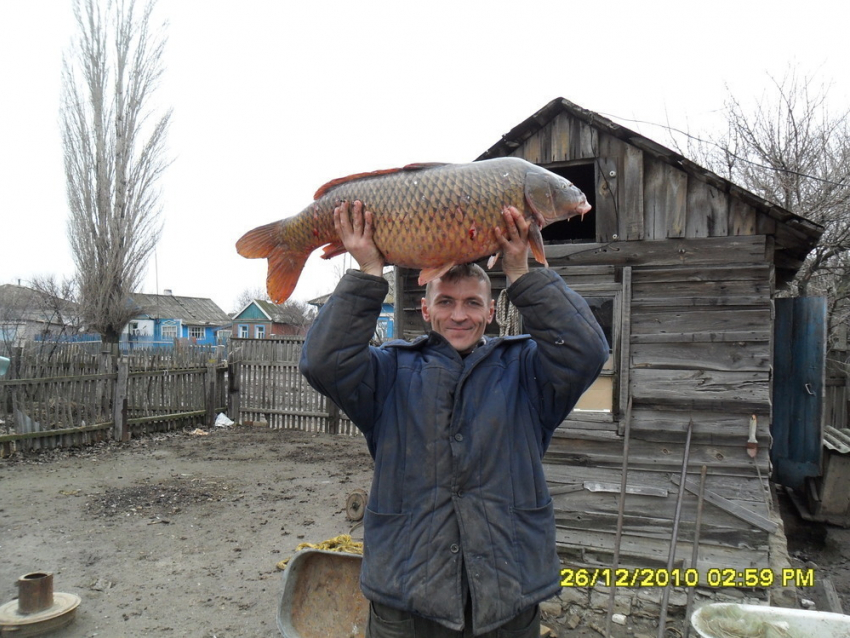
(751,621)
(321,596)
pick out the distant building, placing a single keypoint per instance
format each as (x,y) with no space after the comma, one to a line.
(385,330)
(261,319)
(29,315)
(163,320)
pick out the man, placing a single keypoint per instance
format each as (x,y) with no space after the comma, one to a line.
(459,528)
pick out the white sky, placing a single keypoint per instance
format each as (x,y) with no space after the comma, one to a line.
(272,99)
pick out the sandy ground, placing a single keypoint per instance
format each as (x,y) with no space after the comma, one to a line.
(180,535)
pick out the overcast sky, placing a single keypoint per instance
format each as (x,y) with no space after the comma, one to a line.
(272,99)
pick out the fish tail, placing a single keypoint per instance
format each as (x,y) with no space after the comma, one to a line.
(285,261)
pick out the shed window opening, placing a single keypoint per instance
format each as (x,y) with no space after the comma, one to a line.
(578,229)
(599,397)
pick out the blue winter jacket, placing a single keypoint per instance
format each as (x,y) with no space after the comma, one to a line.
(458,446)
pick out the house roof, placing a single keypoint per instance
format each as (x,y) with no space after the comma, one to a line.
(196,311)
(389,299)
(279,313)
(19,303)
(804,233)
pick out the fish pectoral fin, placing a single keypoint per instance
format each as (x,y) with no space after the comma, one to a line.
(429,274)
(493,260)
(535,242)
(333,249)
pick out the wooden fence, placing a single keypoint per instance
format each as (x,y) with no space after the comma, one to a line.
(266,387)
(77,397)
(837,391)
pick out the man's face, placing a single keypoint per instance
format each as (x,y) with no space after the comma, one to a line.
(459,311)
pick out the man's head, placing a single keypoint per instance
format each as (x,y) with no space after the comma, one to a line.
(459,306)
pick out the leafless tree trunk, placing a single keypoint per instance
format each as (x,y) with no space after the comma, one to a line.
(790,149)
(114,155)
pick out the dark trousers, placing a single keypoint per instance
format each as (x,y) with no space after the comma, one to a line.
(387,622)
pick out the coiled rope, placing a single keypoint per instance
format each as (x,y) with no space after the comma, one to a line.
(507,316)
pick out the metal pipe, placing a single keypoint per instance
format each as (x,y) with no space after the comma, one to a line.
(35,592)
(695,550)
(665,599)
(620,513)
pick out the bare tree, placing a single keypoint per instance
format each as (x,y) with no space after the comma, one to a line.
(791,150)
(39,316)
(248,295)
(114,155)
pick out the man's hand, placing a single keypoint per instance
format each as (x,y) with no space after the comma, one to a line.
(515,245)
(355,231)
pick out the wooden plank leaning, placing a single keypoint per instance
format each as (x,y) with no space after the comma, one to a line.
(732,508)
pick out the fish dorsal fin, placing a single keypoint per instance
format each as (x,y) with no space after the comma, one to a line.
(324,190)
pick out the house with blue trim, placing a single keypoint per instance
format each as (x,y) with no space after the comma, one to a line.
(262,318)
(164,320)
(385,328)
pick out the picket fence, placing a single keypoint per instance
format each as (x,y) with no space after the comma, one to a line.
(267,388)
(76,396)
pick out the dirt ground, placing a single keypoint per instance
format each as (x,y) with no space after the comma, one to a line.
(180,535)
(175,535)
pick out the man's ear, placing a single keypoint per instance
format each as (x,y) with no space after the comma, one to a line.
(425,314)
(492,311)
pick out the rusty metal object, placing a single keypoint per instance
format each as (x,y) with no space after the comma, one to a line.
(38,609)
(321,596)
(355,505)
(35,592)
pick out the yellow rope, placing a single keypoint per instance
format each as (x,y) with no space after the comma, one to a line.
(341,543)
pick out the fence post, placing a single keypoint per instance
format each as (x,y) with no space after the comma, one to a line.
(121,431)
(209,378)
(233,391)
(333,418)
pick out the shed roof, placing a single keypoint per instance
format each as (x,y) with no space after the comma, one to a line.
(802,234)
(190,310)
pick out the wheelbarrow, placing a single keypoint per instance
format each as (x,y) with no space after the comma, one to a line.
(321,596)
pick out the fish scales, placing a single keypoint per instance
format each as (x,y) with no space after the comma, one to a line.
(424,216)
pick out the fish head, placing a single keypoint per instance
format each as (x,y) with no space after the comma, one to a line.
(552,198)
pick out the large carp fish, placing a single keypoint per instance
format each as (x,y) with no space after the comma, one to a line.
(426,216)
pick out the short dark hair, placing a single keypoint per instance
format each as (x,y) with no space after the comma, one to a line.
(462,271)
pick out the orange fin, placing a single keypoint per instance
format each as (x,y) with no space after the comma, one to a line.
(429,274)
(285,264)
(285,268)
(387,171)
(535,241)
(259,242)
(333,249)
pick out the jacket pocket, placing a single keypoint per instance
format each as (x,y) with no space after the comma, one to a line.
(385,553)
(534,547)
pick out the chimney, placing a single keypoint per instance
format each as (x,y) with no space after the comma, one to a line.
(167,291)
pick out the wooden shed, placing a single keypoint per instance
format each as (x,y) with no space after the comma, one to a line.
(682,268)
